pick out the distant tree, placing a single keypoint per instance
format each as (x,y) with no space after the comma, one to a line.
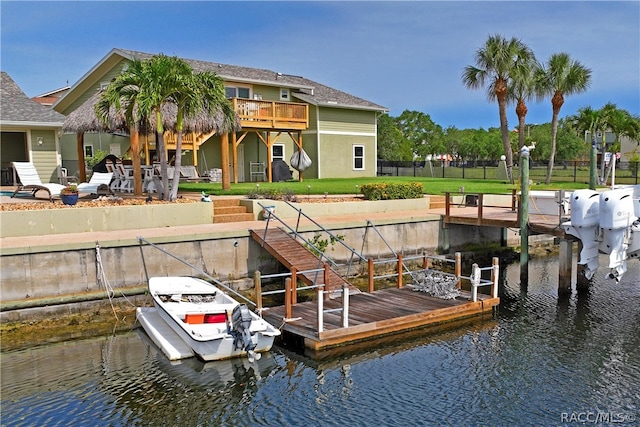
(424,136)
(561,76)
(392,144)
(496,62)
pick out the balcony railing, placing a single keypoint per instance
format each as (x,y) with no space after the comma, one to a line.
(271,114)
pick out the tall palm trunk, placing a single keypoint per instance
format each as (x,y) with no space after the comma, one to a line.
(501,95)
(162,154)
(178,161)
(521,112)
(556,102)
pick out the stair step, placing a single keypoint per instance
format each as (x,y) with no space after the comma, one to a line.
(237,217)
(225,202)
(437,202)
(227,210)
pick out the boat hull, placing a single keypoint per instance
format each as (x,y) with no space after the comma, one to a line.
(211,340)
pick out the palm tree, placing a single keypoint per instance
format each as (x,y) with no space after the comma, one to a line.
(161,93)
(496,62)
(561,76)
(521,90)
(198,93)
(121,94)
(620,123)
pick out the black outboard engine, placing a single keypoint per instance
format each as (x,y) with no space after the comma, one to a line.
(241,323)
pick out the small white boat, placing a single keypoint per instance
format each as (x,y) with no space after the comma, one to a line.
(210,323)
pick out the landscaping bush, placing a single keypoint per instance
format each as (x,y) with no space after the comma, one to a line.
(392,191)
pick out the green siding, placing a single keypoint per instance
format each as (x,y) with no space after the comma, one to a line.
(337,156)
(44,157)
(345,120)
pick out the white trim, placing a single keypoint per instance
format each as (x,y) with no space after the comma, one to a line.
(335,132)
(284,151)
(319,142)
(30,125)
(353,158)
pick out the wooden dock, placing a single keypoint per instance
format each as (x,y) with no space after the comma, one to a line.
(373,315)
(482,215)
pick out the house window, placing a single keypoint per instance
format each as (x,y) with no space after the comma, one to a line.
(88,151)
(358,157)
(237,92)
(277,152)
(284,95)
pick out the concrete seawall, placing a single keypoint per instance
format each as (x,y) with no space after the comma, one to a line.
(57,269)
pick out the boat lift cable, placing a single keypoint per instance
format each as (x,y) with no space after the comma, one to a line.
(102,279)
(199,270)
(372,225)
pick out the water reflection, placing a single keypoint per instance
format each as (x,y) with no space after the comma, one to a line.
(540,357)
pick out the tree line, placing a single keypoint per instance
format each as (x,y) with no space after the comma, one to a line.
(512,76)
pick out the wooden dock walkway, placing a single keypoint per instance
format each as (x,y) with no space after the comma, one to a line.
(373,315)
(293,255)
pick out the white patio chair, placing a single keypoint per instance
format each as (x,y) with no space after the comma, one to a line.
(99,182)
(126,178)
(115,184)
(30,181)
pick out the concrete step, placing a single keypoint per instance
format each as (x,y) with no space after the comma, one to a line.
(437,202)
(230,210)
(226,210)
(239,217)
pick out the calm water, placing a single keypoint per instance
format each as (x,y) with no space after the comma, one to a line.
(540,361)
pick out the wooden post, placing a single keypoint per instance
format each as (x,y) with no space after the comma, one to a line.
(582,283)
(458,260)
(224,159)
(565,259)
(524,216)
(294,285)
(326,276)
(234,153)
(480,206)
(345,305)
(399,270)
(287,298)
(370,272)
(495,276)
(257,284)
(82,172)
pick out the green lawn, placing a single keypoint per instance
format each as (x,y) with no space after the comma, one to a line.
(345,186)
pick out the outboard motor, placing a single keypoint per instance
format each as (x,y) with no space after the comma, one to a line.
(241,324)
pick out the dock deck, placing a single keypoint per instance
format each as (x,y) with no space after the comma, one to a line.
(374,314)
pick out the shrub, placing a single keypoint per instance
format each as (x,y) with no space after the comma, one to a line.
(272,194)
(392,191)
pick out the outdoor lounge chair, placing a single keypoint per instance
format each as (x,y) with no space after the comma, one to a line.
(98,183)
(30,181)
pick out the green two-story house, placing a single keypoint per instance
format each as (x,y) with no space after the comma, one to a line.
(278,114)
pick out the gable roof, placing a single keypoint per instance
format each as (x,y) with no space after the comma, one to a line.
(304,89)
(16,108)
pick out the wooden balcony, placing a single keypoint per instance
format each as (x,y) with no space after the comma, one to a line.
(271,114)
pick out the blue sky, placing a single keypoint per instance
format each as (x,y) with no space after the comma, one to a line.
(402,55)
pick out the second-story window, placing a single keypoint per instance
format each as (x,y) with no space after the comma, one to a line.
(284,95)
(237,92)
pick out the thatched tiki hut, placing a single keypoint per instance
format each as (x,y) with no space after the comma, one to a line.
(196,130)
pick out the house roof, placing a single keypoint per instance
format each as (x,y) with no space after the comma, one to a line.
(16,108)
(304,89)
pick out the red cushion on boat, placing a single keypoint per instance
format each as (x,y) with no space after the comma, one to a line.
(215,318)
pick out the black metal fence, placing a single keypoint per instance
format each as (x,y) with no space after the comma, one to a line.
(575,170)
